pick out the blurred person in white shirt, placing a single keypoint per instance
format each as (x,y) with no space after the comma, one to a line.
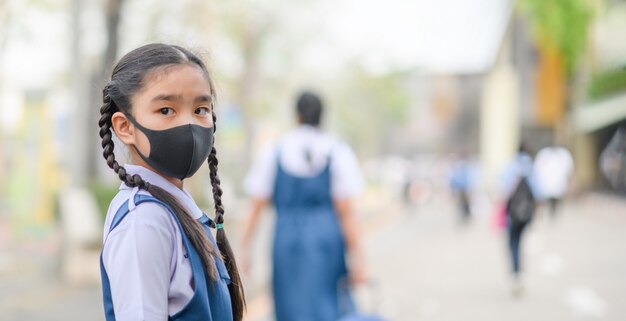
(553,167)
(311,179)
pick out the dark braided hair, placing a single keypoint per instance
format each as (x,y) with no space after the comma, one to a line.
(235,288)
(127,78)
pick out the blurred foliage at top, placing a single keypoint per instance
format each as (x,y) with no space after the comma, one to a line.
(561,24)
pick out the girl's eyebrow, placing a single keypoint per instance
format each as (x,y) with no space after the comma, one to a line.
(167,97)
(202,98)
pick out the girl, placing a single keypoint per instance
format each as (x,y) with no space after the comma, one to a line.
(311,179)
(159,259)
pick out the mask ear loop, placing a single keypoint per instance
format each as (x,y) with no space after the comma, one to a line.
(141,128)
(134,121)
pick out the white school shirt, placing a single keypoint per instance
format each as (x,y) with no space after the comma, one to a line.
(346,178)
(144,256)
(553,167)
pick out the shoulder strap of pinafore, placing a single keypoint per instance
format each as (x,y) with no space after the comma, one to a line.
(117,219)
(122,212)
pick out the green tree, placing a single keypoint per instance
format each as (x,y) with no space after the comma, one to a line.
(562,25)
(371,108)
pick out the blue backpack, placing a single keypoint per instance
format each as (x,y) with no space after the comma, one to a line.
(521,205)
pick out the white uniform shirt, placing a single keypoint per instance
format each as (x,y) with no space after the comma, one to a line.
(553,167)
(144,256)
(346,178)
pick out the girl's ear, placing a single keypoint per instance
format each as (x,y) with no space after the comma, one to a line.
(123,129)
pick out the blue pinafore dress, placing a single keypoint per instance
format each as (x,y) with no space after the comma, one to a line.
(308,249)
(211,299)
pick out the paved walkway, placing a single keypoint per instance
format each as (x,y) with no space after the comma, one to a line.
(432,269)
(427,266)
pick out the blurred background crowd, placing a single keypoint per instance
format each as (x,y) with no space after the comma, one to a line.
(433,97)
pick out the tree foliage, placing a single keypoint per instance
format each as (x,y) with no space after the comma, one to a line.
(369,108)
(560,24)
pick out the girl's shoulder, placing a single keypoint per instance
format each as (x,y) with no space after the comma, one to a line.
(138,214)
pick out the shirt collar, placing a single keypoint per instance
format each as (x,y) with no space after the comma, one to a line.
(308,128)
(308,131)
(153,178)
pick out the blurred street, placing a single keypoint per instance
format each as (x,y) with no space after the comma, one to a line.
(571,268)
(424,110)
(427,267)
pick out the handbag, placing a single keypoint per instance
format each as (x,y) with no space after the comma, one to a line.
(348,305)
(499,220)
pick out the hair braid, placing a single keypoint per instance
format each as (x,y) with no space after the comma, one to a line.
(106,112)
(235,287)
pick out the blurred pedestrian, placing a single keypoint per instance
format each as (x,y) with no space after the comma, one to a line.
(311,179)
(520,194)
(462,180)
(159,259)
(553,168)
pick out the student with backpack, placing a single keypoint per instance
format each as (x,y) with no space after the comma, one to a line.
(520,194)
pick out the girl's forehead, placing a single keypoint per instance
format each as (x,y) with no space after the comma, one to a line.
(174,69)
(181,76)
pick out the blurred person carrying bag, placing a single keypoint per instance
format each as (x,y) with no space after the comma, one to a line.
(521,205)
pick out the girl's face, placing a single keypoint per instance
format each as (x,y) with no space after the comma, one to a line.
(171,97)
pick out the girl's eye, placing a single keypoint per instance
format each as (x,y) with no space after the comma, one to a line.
(202,111)
(166,111)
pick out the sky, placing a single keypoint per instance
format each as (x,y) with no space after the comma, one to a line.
(441,36)
(444,36)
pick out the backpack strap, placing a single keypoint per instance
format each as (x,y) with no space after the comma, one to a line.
(124,209)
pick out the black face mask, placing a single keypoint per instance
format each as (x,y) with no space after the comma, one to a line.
(178,151)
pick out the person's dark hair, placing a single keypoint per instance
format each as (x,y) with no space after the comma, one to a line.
(309,108)
(522,148)
(128,77)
